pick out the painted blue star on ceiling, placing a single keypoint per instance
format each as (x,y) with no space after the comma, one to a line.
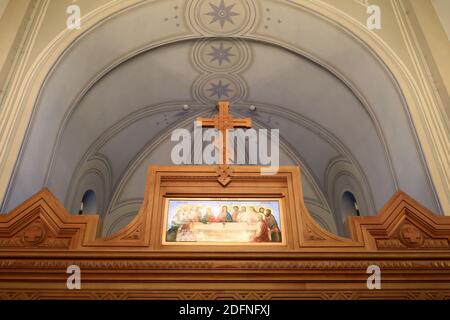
(221,54)
(219,89)
(222,13)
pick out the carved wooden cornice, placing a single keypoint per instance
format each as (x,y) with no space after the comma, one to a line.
(40,239)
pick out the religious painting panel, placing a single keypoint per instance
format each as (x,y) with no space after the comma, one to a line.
(223,221)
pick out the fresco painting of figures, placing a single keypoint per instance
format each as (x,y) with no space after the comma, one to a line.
(223,221)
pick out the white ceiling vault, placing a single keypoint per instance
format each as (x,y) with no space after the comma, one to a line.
(108,107)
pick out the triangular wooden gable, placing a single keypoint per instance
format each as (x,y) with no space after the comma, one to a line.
(42,222)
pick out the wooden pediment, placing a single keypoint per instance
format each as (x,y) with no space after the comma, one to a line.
(43,223)
(403,224)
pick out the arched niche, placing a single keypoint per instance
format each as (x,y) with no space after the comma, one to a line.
(88,203)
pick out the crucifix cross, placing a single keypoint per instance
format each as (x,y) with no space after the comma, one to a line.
(222,122)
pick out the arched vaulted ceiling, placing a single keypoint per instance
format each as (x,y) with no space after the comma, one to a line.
(108,106)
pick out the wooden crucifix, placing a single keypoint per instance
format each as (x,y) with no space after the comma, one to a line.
(222,122)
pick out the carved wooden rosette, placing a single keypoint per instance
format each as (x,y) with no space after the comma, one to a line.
(40,239)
